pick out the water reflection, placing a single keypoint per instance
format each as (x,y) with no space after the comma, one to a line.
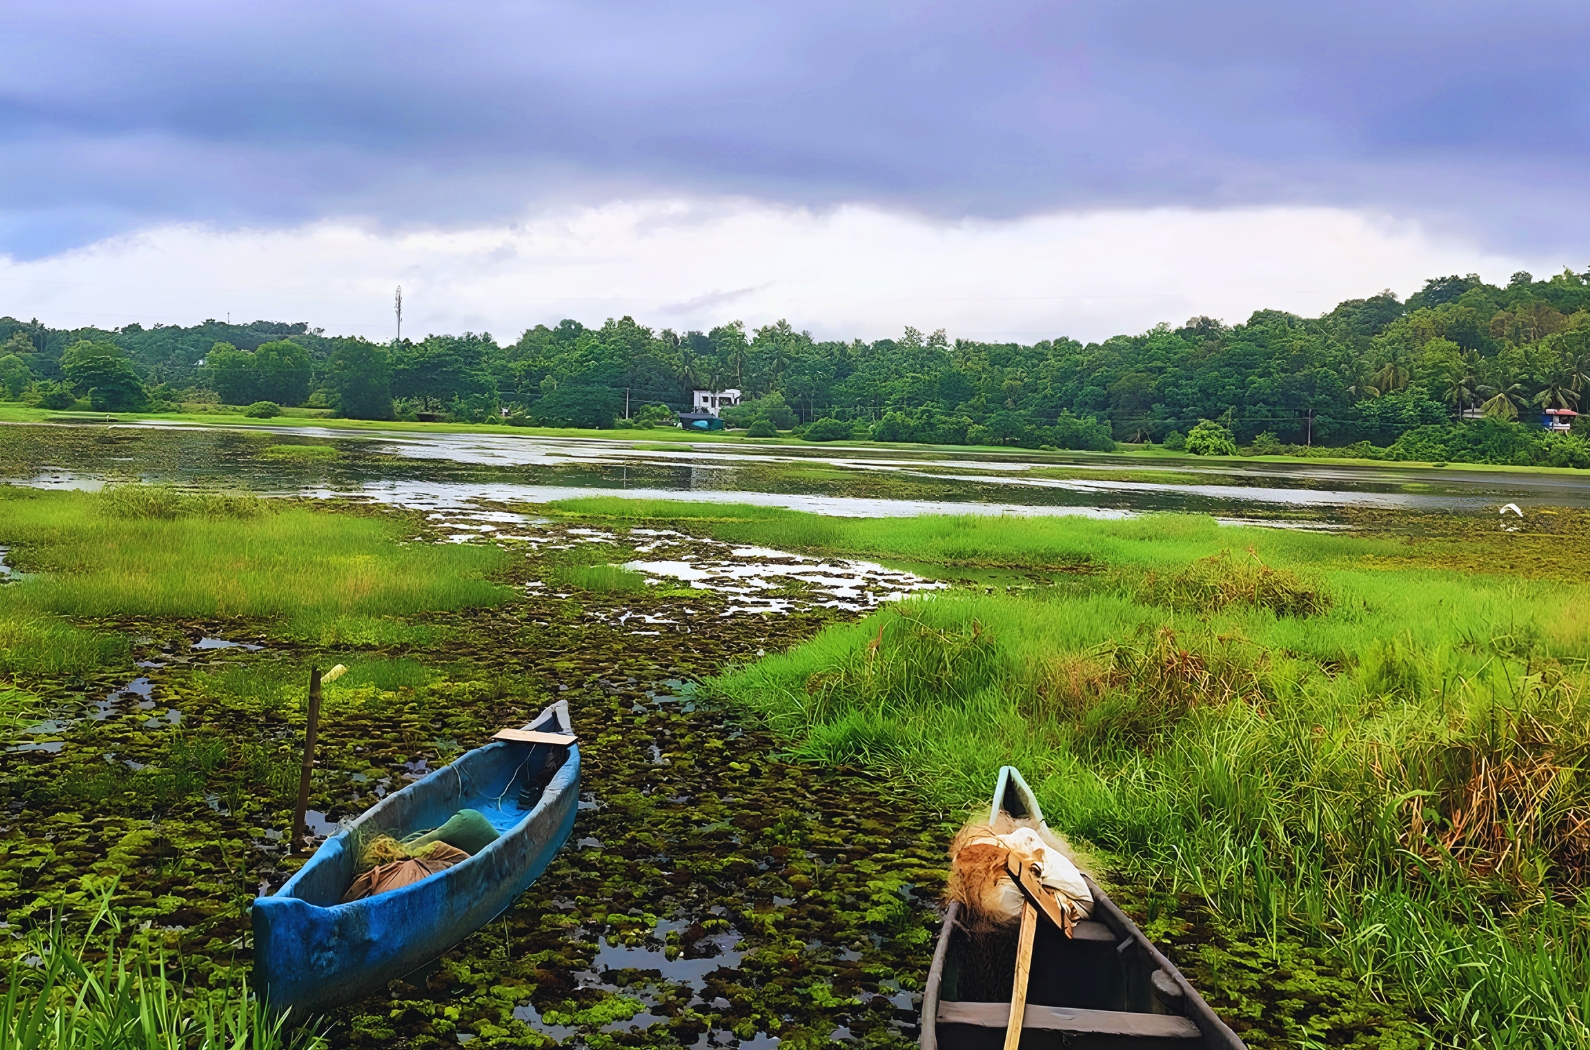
(440,471)
(463,495)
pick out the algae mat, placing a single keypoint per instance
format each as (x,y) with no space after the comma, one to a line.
(711,895)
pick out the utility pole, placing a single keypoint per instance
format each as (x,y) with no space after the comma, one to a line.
(397,302)
(1309,442)
(626,402)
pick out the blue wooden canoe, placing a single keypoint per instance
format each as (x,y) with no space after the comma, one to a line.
(312,952)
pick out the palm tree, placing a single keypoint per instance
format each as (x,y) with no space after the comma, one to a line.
(1557,393)
(1461,389)
(1362,386)
(1503,404)
(1393,375)
(1562,380)
(775,340)
(706,373)
(1577,369)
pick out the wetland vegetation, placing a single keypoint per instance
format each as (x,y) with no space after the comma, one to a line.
(1373,378)
(1335,774)
(1369,744)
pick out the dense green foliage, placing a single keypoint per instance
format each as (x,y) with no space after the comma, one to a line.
(1372,370)
(1209,438)
(102,371)
(1339,739)
(14,376)
(278,371)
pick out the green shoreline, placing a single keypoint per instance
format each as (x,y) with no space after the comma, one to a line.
(15,413)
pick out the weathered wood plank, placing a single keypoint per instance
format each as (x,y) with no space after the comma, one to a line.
(533,736)
(1067,1019)
(1090,930)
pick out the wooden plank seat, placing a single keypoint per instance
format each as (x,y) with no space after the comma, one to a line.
(534,736)
(1091,930)
(1072,1021)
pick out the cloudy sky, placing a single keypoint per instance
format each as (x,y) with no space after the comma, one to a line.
(1002,170)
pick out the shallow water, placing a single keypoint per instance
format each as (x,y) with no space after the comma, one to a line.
(451,470)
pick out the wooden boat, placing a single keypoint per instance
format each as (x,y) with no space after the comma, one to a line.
(1104,987)
(312,952)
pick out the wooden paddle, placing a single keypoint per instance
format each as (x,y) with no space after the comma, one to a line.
(1018,992)
(1036,899)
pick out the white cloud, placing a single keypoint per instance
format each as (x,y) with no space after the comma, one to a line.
(851,271)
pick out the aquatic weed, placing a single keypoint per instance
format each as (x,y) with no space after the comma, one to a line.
(167,502)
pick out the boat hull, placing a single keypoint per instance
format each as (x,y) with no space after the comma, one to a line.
(312,952)
(1104,988)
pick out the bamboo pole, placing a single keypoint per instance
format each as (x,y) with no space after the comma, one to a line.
(306,771)
(1018,993)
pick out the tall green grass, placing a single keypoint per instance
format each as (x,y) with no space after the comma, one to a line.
(970,540)
(166,502)
(598,579)
(36,643)
(1387,761)
(93,993)
(147,551)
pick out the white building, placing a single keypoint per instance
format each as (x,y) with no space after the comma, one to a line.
(710,401)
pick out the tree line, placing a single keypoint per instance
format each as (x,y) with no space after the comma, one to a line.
(1366,375)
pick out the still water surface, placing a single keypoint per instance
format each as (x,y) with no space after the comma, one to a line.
(453,470)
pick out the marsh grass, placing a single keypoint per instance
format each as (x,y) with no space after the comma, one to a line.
(1212,583)
(92,991)
(168,503)
(255,686)
(1383,761)
(36,643)
(599,579)
(148,551)
(591,567)
(1163,542)
(1419,807)
(181,769)
(278,686)
(17,708)
(300,453)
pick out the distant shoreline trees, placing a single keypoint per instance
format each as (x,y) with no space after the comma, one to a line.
(1379,375)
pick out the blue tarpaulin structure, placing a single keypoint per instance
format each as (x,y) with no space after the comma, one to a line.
(700,421)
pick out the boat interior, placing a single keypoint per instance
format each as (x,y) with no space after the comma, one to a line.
(1094,989)
(1103,987)
(504,781)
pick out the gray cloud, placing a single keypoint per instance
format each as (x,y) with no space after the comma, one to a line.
(118,115)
